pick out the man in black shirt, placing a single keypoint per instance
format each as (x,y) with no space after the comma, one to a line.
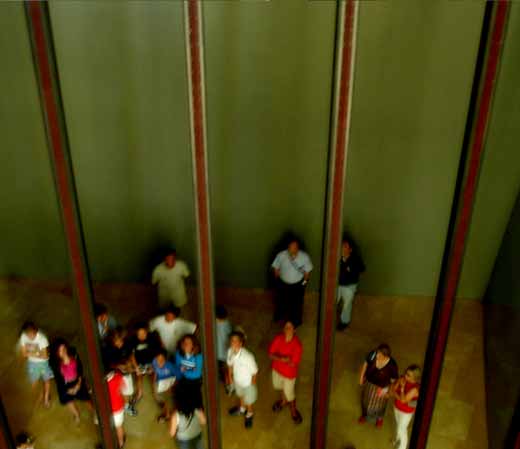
(350,267)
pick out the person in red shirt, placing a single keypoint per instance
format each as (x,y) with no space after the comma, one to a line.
(406,393)
(116,385)
(285,352)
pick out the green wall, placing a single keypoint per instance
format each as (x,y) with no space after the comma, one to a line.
(500,177)
(415,66)
(268,74)
(123,72)
(32,242)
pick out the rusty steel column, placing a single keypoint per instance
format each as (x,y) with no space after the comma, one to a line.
(44,57)
(486,72)
(206,294)
(346,27)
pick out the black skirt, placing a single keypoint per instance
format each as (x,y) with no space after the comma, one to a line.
(81,395)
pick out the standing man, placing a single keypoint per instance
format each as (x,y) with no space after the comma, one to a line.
(350,267)
(292,268)
(169,277)
(285,352)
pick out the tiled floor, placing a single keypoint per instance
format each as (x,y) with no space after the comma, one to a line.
(403,322)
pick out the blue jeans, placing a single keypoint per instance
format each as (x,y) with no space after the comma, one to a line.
(194,443)
(346,294)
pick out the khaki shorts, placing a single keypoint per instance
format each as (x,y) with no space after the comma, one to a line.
(286,385)
(248,394)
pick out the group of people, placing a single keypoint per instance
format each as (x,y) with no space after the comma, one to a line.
(380,382)
(166,350)
(292,269)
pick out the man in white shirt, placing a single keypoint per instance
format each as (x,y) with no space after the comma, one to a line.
(242,371)
(169,276)
(292,268)
(171,328)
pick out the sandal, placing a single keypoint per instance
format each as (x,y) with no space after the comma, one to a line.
(278,406)
(297,417)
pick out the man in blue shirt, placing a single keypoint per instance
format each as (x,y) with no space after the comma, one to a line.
(292,268)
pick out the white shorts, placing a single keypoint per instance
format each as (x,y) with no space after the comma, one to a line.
(248,394)
(288,386)
(118,418)
(128,390)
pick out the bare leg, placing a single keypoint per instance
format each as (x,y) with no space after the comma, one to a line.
(74,410)
(46,393)
(120,432)
(139,387)
(39,397)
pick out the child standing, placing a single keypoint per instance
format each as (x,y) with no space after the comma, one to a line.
(187,421)
(116,386)
(145,346)
(242,371)
(171,328)
(224,330)
(118,355)
(188,364)
(105,321)
(34,347)
(164,378)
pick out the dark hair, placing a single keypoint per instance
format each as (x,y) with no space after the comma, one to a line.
(239,335)
(173,310)
(56,346)
(284,322)
(221,312)
(169,252)
(195,342)
(29,326)
(293,239)
(415,370)
(347,238)
(141,325)
(23,438)
(100,309)
(186,402)
(118,332)
(384,349)
(162,352)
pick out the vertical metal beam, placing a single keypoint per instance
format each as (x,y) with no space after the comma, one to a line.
(52,107)
(197,105)
(6,437)
(346,26)
(486,72)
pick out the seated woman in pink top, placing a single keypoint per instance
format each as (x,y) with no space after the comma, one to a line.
(70,381)
(285,352)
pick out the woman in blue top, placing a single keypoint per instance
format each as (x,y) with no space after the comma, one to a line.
(188,364)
